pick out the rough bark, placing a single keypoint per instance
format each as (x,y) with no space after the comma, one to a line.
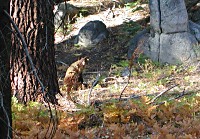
(5,89)
(35,22)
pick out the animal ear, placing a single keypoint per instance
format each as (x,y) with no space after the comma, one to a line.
(83,58)
(86,59)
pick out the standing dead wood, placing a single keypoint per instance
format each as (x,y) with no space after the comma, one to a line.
(136,53)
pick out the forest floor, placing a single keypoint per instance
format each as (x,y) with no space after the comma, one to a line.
(141,113)
(158,101)
(110,58)
(107,56)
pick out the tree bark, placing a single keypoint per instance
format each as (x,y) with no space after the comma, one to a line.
(5,89)
(35,21)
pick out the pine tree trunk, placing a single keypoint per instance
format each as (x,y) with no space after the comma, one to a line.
(5,89)
(35,22)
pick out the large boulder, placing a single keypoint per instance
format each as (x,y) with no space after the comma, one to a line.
(91,34)
(173,39)
(177,48)
(140,40)
(168,16)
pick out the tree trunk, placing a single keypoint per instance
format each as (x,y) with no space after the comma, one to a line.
(35,21)
(5,89)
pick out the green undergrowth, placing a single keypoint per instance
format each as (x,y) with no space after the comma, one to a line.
(173,114)
(132,118)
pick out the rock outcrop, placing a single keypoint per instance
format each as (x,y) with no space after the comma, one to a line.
(173,39)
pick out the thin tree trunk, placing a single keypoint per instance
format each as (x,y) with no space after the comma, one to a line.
(35,22)
(5,89)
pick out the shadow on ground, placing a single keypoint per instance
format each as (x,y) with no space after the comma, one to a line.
(103,56)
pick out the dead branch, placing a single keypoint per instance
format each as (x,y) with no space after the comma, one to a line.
(93,85)
(129,77)
(135,54)
(124,87)
(160,94)
(175,98)
(6,115)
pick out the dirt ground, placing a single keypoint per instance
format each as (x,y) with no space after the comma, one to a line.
(122,26)
(122,23)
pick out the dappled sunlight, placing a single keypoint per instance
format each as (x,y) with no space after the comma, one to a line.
(121,98)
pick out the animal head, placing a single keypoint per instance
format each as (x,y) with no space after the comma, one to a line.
(83,61)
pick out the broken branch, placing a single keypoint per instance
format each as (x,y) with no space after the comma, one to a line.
(160,94)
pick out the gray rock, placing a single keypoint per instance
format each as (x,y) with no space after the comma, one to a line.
(172,39)
(195,30)
(153,51)
(168,48)
(174,43)
(177,48)
(125,72)
(91,34)
(168,16)
(139,40)
(174,17)
(155,15)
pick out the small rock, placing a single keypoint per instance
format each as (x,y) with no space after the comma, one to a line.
(125,72)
